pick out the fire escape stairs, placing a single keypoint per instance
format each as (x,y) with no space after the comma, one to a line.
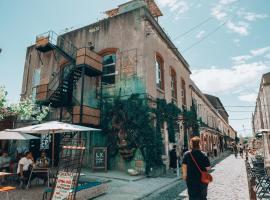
(61,86)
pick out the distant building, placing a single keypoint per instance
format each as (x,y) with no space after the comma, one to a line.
(261,115)
(214,128)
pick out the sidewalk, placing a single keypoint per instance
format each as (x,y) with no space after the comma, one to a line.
(125,187)
(230,181)
(121,186)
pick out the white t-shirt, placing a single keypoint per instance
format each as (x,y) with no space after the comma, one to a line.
(25,162)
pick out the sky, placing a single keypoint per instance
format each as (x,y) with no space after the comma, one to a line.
(225,42)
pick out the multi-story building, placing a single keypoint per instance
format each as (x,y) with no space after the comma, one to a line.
(261,115)
(214,125)
(128,52)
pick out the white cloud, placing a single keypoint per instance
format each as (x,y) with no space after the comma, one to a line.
(250,98)
(260,51)
(214,80)
(226,2)
(200,34)
(241,27)
(178,7)
(241,59)
(267,56)
(251,16)
(218,12)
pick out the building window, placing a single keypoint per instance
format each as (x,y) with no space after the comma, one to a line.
(173,84)
(183,90)
(159,72)
(109,72)
(35,82)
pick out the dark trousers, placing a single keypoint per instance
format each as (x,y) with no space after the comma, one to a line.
(197,191)
(26,176)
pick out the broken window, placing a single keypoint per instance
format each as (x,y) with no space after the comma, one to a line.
(109,72)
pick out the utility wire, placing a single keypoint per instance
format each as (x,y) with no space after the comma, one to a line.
(194,27)
(212,32)
(205,37)
(240,119)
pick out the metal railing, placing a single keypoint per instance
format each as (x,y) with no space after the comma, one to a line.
(59,41)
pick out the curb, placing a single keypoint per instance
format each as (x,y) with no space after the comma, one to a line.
(178,180)
(162,188)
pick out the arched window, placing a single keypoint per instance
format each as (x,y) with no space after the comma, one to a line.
(109,66)
(159,72)
(173,84)
(183,87)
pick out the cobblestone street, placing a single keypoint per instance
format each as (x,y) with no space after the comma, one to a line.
(230,183)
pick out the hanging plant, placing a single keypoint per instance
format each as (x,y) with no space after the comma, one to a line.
(128,125)
(168,112)
(191,119)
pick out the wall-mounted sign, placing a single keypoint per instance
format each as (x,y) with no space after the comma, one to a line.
(94,29)
(64,185)
(100,158)
(45,141)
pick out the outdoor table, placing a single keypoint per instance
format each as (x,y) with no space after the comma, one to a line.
(5,174)
(39,170)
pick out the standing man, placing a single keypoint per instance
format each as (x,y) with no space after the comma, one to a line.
(191,174)
(173,159)
(23,169)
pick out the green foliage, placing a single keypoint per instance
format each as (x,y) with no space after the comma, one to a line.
(130,119)
(26,109)
(191,119)
(168,113)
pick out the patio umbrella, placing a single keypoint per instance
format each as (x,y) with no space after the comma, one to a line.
(53,127)
(15,135)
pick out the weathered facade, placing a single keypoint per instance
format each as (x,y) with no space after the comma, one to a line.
(214,128)
(126,53)
(261,115)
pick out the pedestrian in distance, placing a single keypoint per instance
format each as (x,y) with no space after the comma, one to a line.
(215,150)
(173,159)
(241,150)
(195,164)
(235,150)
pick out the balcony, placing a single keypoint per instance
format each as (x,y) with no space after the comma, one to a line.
(90,116)
(91,60)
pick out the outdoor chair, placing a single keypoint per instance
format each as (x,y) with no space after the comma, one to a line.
(262,184)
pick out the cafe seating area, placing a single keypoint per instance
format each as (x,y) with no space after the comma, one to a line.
(260,180)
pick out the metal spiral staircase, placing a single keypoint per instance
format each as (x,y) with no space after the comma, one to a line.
(79,62)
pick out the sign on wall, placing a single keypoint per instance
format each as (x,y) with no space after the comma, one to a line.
(100,158)
(45,141)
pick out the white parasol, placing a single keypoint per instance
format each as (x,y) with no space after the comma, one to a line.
(53,127)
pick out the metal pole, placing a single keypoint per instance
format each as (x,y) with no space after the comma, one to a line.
(53,149)
(178,168)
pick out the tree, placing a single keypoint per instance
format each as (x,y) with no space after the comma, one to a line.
(26,109)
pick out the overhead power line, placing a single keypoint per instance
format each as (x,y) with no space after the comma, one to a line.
(206,36)
(240,119)
(193,28)
(212,32)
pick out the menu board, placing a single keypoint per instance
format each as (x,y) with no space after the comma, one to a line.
(100,158)
(64,185)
